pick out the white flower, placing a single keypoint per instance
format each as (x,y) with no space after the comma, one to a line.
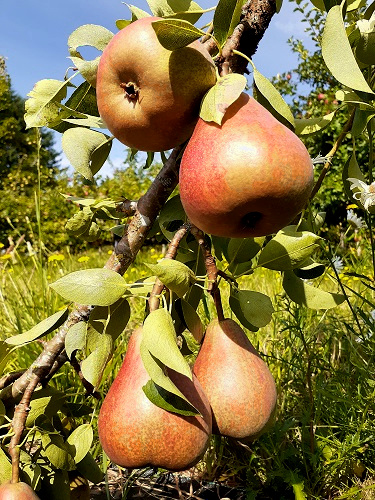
(366,25)
(363,193)
(353,219)
(338,264)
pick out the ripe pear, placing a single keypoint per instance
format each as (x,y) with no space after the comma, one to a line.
(236,381)
(149,96)
(136,433)
(17,491)
(248,177)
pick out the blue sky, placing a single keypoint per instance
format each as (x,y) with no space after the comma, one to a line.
(33,38)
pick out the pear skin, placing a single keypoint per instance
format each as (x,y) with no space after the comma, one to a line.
(148,96)
(17,491)
(249,177)
(136,433)
(236,381)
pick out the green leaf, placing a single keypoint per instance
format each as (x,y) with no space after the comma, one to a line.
(101,287)
(308,126)
(174,34)
(42,108)
(361,120)
(241,250)
(137,13)
(80,222)
(111,320)
(47,402)
(338,55)
(236,308)
(101,347)
(43,328)
(86,149)
(174,275)
(172,214)
(218,99)
(75,339)
(57,452)
(55,485)
(183,9)
(5,467)
(142,286)
(88,69)
(310,296)
(272,95)
(80,441)
(89,469)
(288,249)
(311,271)
(169,402)
(351,170)
(159,338)
(91,35)
(226,18)
(89,121)
(123,23)
(256,307)
(191,320)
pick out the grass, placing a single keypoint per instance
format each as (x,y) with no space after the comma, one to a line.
(321,445)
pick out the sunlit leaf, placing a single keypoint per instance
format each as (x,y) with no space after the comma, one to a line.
(175,33)
(338,55)
(43,328)
(273,97)
(159,338)
(91,35)
(308,295)
(218,99)
(226,17)
(80,441)
(86,150)
(57,452)
(42,108)
(5,467)
(174,275)
(307,126)
(75,339)
(187,10)
(101,287)
(288,249)
(101,348)
(168,401)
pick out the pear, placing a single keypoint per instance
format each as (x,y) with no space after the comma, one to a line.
(136,433)
(149,96)
(17,491)
(236,381)
(249,177)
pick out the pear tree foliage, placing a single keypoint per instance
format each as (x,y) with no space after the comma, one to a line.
(173,331)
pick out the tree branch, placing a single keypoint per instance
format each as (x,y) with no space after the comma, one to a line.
(255,18)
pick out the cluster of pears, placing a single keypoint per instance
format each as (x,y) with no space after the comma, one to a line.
(231,387)
(249,176)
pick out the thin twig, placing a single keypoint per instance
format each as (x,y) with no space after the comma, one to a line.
(331,154)
(18,424)
(211,270)
(10,378)
(154,299)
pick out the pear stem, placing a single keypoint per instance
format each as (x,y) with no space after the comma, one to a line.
(154,299)
(211,269)
(18,425)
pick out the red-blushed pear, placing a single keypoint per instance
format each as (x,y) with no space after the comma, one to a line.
(249,177)
(17,491)
(149,96)
(236,381)
(136,433)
